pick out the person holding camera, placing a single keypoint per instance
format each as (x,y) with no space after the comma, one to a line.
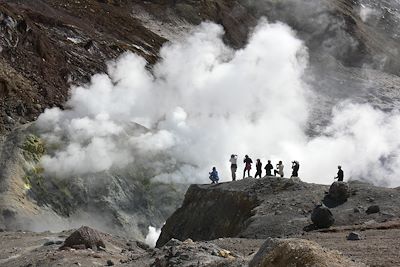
(233,161)
(279,169)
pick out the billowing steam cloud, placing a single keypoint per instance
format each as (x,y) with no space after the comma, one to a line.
(204,101)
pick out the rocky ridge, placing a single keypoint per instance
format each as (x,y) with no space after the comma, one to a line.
(271,207)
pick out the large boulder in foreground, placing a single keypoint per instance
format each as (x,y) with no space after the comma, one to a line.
(339,191)
(297,252)
(84,238)
(322,217)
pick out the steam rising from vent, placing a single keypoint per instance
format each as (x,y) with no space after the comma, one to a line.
(152,236)
(204,101)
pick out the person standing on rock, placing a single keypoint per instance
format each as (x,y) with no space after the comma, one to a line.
(340,174)
(247,166)
(214,176)
(233,161)
(279,169)
(295,168)
(258,168)
(268,168)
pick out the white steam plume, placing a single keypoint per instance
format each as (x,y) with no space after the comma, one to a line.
(152,236)
(204,101)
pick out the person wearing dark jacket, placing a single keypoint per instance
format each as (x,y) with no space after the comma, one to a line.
(247,167)
(258,168)
(295,168)
(268,168)
(340,174)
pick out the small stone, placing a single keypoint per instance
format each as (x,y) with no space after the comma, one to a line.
(173,242)
(373,209)
(110,263)
(356,210)
(354,236)
(188,241)
(49,243)
(142,245)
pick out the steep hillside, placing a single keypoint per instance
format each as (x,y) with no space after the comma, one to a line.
(48,46)
(124,203)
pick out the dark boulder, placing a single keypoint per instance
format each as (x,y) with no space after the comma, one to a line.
(373,209)
(322,217)
(354,236)
(339,191)
(84,238)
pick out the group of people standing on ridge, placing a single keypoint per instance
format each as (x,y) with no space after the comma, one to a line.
(268,169)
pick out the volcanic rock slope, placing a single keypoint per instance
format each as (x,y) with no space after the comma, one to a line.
(48,46)
(271,207)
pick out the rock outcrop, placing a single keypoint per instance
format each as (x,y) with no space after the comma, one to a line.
(218,213)
(269,207)
(297,252)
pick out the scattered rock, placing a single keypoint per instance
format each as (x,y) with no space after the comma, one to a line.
(354,236)
(142,245)
(297,252)
(356,210)
(52,242)
(173,242)
(83,238)
(322,217)
(110,263)
(373,209)
(339,191)
(49,243)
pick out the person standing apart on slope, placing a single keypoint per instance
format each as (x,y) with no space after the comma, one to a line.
(279,169)
(233,161)
(268,168)
(295,168)
(214,176)
(247,167)
(258,168)
(340,174)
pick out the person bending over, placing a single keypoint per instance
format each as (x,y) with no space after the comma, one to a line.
(268,168)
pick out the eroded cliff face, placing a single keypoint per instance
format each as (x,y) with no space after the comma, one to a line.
(270,207)
(213,214)
(121,202)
